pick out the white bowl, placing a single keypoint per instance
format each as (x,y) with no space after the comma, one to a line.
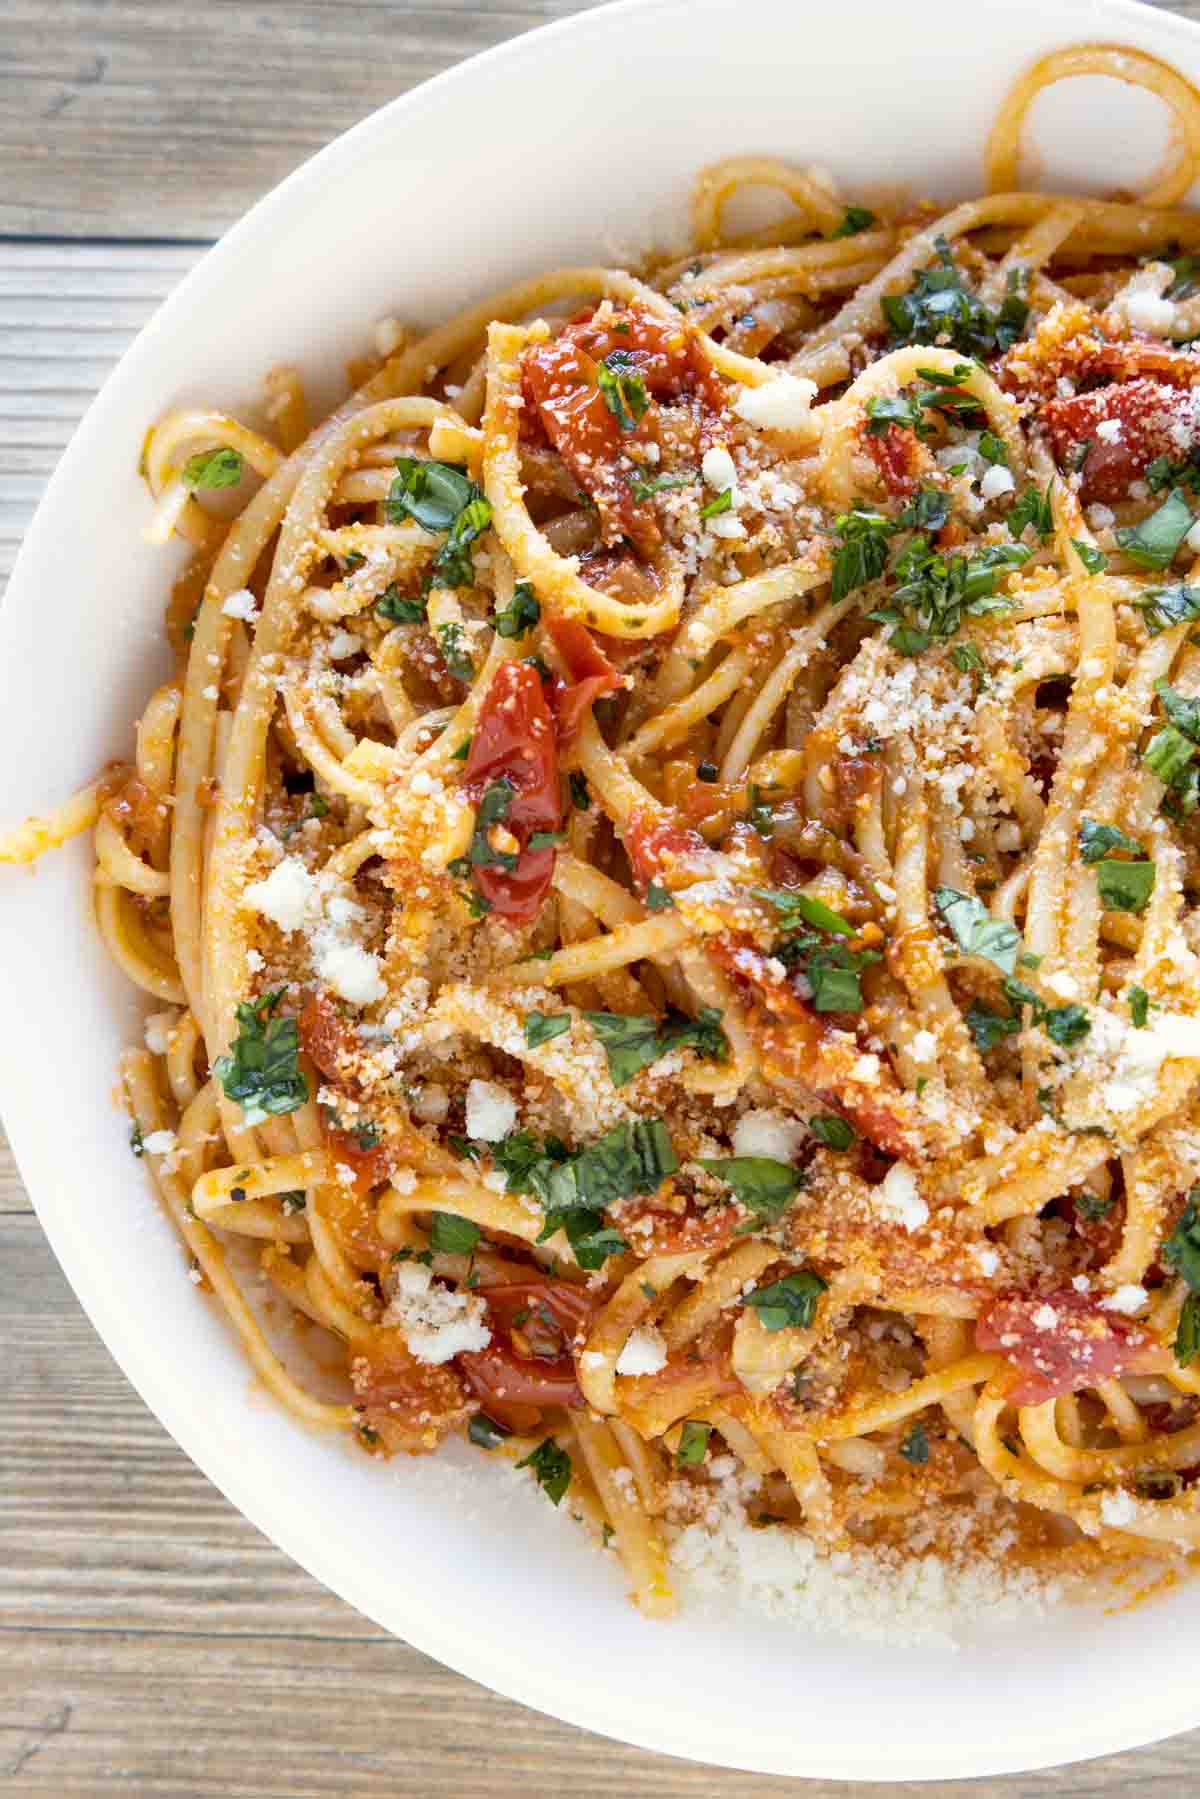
(570,144)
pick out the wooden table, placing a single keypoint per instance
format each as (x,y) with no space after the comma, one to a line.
(151,1642)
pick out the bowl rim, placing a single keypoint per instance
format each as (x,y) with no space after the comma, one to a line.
(433,1630)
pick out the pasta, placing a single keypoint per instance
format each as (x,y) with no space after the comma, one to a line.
(667,873)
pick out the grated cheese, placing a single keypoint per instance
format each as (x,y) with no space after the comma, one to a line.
(491,1111)
(438,1322)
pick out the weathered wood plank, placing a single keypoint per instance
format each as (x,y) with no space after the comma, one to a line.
(150,119)
(67,313)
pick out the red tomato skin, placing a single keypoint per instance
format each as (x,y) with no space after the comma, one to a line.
(500,1378)
(894,453)
(592,674)
(515,739)
(559,384)
(1150,414)
(652,837)
(1083,1343)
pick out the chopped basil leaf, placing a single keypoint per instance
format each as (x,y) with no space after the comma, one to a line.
(693,1443)
(787,1302)
(1125,886)
(520,615)
(1168,606)
(1066,1025)
(992,449)
(623,388)
(975,931)
(764,1186)
(213,468)
(862,556)
(1181,1250)
(1094,560)
(545,840)
(940,305)
(1031,508)
(137,1141)
(989,1028)
(633,1041)
(1153,543)
(581,797)
(1139,1006)
(541,1027)
(551,1467)
(658,899)
(1168,754)
(854,220)
(1091,1207)
(485,1432)
(795,907)
(1187,1331)
(644,488)
(1096,841)
(454,652)
(722,503)
(262,1071)
(399,609)
(451,1235)
(831,1130)
(915,1447)
(439,496)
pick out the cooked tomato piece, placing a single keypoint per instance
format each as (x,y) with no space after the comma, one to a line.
(659,1233)
(1059,1341)
(501,1378)
(514,741)
(1152,419)
(561,385)
(326,1037)
(405,1403)
(655,839)
(894,453)
(592,674)
(570,1307)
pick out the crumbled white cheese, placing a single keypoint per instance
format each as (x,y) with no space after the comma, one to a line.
(719,468)
(1118,1509)
(388,335)
(159,1027)
(438,1322)
(725,524)
(1045,1318)
(288,896)
(1128,1299)
(1061,984)
(211,692)
(159,1143)
(352,972)
(768,1133)
(898,1200)
(343,644)
(645,1352)
(996,481)
(491,1111)
(784,404)
(241,604)
(1101,517)
(1007,836)
(1109,431)
(989,1261)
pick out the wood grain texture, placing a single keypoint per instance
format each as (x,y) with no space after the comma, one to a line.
(151,1641)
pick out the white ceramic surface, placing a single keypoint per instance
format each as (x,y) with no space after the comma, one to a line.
(563,145)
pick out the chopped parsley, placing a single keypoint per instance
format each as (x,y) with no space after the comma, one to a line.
(1139,1007)
(797,908)
(213,468)
(791,1301)
(551,1467)
(722,503)
(644,488)
(658,899)
(1096,840)
(137,1141)
(1187,1331)
(262,1071)
(1125,886)
(575,1188)
(581,797)
(1164,471)
(520,615)
(863,554)
(1181,1250)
